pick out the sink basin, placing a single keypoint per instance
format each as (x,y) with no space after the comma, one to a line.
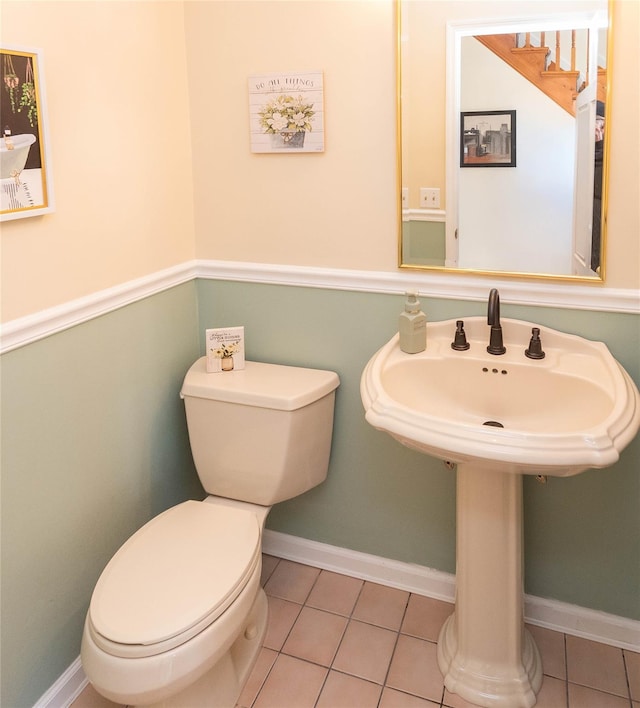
(574,409)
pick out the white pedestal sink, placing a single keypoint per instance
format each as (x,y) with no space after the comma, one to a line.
(574,409)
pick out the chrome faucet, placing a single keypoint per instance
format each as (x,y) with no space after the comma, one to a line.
(493,318)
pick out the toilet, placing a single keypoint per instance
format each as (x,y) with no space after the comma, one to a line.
(178,616)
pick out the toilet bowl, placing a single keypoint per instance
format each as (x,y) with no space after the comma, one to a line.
(178,616)
(173,600)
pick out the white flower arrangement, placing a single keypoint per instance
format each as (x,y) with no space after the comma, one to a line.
(287,114)
(225,351)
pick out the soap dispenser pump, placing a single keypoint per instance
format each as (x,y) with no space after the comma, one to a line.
(412,326)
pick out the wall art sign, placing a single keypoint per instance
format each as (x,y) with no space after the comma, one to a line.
(25,177)
(286,112)
(488,139)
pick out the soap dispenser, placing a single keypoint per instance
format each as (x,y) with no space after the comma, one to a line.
(412,326)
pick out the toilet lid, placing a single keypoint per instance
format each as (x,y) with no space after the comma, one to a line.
(179,571)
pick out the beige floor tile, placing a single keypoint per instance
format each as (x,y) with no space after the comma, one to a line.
(596,665)
(292,683)
(553,693)
(315,636)
(425,616)
(551,647)
(269,564)
(335,593)
(282,616)
(414,668)
(396,699)
(381,605)
(266,659)
(374,634)
(291,581)
(90,698)
(632,661)
(583,697)
(344,691)
(365,651)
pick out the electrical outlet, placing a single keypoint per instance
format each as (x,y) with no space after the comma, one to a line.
(405,197)
(429,198)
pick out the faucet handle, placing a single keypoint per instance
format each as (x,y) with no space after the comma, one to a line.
(460,343)
(534,351)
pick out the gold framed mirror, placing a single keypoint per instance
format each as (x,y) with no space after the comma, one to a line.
(502,160)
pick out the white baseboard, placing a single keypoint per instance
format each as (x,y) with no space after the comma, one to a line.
(66,689)
(560,616)
(396,574)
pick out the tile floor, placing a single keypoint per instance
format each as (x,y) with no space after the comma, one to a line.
(339,642)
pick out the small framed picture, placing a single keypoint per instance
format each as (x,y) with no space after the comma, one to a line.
(286,112)
(25,167)
(488,139)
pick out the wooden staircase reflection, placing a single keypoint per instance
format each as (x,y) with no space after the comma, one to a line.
(561,85)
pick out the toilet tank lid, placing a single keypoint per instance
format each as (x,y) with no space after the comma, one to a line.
(262,385)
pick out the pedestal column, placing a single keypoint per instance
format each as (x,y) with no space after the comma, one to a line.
(484,651)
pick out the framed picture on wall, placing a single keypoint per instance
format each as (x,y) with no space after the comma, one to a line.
(488,139)
(25,167)
(286,112)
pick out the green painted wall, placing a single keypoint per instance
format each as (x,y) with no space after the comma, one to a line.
(582,534)
(423,243)
(94,443)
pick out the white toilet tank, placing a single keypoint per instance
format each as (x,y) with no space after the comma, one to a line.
(261,434)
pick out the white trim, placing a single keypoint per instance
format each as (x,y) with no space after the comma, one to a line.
(543,293)
(396,574)
(559,616)
(435,215)
(66,689)
(26,330)
(455,286)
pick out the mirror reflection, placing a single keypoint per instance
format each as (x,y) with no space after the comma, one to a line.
(525,105)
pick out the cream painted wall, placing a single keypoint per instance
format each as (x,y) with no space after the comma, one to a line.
(623,246)
(123,102)
(334,209)
(338,209)
(120,146)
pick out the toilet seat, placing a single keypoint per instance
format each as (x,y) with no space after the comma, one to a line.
(173,578)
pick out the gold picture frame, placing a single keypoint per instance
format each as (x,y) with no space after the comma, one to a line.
(25,177)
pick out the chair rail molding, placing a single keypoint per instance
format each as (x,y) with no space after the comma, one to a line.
(544,293)
(25,330)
